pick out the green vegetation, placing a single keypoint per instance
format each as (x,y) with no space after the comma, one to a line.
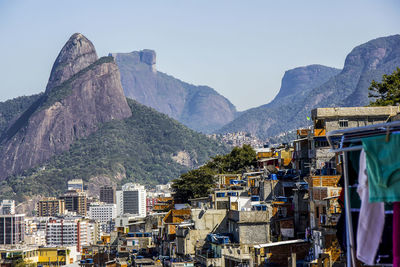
(136,149)
(12,108)
(387,92)
(199,182)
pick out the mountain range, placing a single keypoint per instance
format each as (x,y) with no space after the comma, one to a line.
(199,107)
(83,126)
(306,88)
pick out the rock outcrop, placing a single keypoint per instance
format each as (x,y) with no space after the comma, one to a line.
(199,107)
(83,92)
(77,54)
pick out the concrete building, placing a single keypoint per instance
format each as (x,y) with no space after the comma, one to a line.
(7,206)
(107,194)
(50,206)
(12,229)
(104,214)
(75,202)
(204,222)
(249,227)
(329,119)
(37,238)
(75,184)
(68,232)
(131,200)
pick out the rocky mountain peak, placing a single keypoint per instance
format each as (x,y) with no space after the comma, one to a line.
(373,54)
(77,54)
(83,93)
(143,60)
(302,78)
(148,57)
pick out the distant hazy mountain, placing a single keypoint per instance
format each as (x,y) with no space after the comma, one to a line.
(315,86)
(199,107)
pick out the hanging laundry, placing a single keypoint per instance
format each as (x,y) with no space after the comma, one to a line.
(372,216)
(383,167)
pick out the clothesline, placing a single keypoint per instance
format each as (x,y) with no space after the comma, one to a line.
(347,140)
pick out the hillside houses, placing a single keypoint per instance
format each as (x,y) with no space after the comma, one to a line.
(283,212)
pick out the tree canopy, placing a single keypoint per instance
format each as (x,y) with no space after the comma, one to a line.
(387,92)
(200,182)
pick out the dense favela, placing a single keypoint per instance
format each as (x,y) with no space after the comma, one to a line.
(117,163)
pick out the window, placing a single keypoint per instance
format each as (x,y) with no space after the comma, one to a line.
(343,123)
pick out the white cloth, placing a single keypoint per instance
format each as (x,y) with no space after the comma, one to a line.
(371,219)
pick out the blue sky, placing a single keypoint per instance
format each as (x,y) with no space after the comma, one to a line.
(240,48)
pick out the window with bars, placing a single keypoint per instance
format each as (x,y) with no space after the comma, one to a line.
(343,123)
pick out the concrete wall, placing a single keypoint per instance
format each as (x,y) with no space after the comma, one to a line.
(333,123)
(210,220)
(248,216)
(270,188)
(342,112)
(205,222)
(254,233)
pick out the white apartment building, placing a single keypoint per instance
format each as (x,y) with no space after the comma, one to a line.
(73,232)
(104,214)
(131,200)
(37,238)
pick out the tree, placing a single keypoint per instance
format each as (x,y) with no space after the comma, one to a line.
(195,183)
(387,92)
(200,182)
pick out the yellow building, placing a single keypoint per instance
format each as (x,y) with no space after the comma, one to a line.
(29,255)
(34,256)
(56,256)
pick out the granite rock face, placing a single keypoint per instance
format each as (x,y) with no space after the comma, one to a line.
(82,94)
(310,89)
(77,54)
(198,107)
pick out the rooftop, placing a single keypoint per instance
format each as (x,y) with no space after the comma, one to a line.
(354,112)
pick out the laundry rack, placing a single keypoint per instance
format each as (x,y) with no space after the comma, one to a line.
(339,141)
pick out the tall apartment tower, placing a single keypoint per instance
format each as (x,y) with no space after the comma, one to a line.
(107,194)
(74,232)
(75,201)
(50,206)
(12,229)
(131,200)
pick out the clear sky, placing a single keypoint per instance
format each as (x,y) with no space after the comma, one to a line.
(240,48)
